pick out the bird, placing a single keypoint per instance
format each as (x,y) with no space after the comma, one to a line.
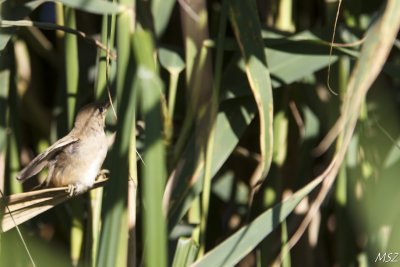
(75,160)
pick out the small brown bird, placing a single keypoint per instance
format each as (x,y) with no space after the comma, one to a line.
(75,160)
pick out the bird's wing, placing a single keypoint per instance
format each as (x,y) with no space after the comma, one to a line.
(41,160)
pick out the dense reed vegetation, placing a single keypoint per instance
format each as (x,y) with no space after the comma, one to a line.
(248,133)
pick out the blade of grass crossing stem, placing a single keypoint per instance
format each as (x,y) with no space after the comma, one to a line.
(213,118)
(154,172)
(114,242)
(247,29)
(238,245)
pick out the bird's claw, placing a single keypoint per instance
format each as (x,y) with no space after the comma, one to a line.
(102,174)
(71,190)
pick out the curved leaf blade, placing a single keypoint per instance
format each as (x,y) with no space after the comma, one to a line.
(248,34)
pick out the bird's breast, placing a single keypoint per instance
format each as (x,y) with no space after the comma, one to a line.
(80,162)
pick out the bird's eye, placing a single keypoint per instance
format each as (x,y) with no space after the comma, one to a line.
(101,110)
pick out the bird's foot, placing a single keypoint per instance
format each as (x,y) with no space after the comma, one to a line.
(71,190)
(102,174)
(76,189)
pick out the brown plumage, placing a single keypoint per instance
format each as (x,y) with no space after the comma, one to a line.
(76,159)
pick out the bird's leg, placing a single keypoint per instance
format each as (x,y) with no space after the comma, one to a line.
(46,181)
(40,186)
